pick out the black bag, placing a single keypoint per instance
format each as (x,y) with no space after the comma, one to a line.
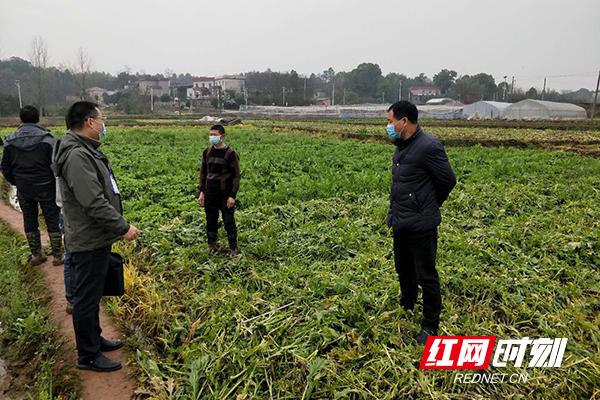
(114,285)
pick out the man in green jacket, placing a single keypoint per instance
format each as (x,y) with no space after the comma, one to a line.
(93,221)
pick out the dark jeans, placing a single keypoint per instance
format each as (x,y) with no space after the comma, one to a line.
(30,210)
(68,267)
(212,205)
(69,278)
(414,258)
(90,268)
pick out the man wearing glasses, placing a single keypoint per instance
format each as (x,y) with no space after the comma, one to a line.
(93,221)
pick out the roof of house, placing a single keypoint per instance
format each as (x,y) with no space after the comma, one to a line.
(424,88)
(236,77)
(203,78)
(153,79)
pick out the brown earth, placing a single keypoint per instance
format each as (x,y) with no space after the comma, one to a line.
(95,385)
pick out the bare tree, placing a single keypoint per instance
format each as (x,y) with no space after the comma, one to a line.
(39,60)
(84,65)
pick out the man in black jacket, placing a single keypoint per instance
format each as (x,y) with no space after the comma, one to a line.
(218,185)
(26,164)
(422,179)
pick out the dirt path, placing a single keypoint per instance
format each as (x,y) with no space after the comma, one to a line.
(95,385)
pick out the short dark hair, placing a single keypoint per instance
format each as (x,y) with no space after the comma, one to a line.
(79,112)
(404,108)
(219,128)
(29,115)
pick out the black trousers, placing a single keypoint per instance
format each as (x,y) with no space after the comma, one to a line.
(414,258)
(213,204)
(90,269)
(30,209)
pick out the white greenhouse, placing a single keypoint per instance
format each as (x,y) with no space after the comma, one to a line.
(485,110)
(538,109)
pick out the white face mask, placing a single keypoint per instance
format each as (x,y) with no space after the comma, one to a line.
(214,139)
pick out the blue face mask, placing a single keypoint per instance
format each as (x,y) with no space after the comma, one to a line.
(214,140)
(102,133)
(391,131)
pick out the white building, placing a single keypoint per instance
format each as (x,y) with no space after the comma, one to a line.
(202,87)
(96,94)
(234,83)
(538,109)
(158,85)
(207,82)
(485,110)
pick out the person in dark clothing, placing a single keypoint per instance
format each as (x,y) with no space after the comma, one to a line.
(26,163)
(218,186)
(93,221)
(422,180)
(67,268)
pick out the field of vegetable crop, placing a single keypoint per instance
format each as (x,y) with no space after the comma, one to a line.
(583,140)
(311,307)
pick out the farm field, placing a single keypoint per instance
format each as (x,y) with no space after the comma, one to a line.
(583,140)
(311,307)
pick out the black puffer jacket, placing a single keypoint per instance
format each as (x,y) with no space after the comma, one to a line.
(422,179)
(26,162)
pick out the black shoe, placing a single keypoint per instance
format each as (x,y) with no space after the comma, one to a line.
(408,308)
(109,345)
(421,338)
(100,364)
(233,253)
(213,248)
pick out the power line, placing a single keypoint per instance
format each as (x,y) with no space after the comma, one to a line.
(557,76)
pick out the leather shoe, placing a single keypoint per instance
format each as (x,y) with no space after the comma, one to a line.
(421,338)
(109,345)
(100,364)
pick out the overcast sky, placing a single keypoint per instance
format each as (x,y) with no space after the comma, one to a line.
(527,39)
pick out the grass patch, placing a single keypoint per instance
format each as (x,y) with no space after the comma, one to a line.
(28,342)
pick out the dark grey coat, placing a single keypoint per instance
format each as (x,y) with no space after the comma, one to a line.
(91,206)
(422,179)
(26,161)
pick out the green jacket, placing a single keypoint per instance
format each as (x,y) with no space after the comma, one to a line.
(92,207)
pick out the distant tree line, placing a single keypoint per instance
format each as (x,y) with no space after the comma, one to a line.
(48,87)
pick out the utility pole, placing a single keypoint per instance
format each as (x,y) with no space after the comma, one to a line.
(382,97)
(504,89)
(304,95)
(152,99)
(400,92)
(544,89)
(512,86)
(344,98)
(18,84)
(595,96)
(283,95)
(333,93)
